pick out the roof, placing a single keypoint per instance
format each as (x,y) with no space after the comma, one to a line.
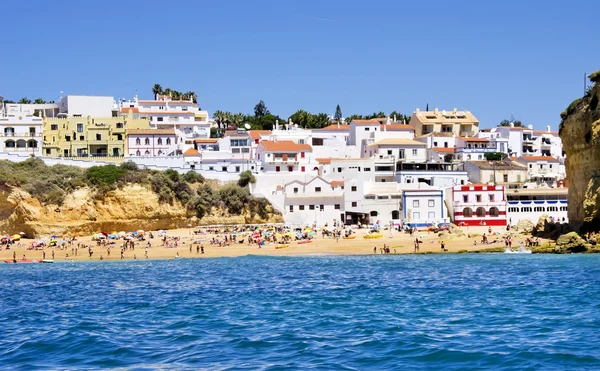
(162,102)
(444,149)
(538,158)
(161,113)
(324,160)
(398,142)
(284,146)
(454,116)
(337,183)
(130,109)
(191,152)
(236,133)
(256,134)
(368,122)
(540,132)
(498,165)
(210,140)
(471,139)
(439,134)
(341,127)
(150,132)
(397,127)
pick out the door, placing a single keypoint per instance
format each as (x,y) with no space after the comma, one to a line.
(116,152)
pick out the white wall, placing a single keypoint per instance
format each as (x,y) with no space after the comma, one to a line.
(96,106)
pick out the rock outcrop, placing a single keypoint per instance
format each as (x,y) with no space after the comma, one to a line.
(130,208)
(571,243)
(580,134)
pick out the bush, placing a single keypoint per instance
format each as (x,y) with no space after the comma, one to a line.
(193,177)
(101,175)
(246,178)
(595,76)
(129,166)
(494,156)
(183,192)
(171,174)
(234,198)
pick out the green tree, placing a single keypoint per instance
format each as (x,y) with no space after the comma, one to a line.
(516,123)
(261,110)
(354,117)
(338,113)
(39,101)
(157,89)
(267,122)
(237,119)
(301,117)
(193,177)
(8,101)
(320,120)
(494,156)
(104,175)
(246,177)
(376,115)
(220,118)
(25,101)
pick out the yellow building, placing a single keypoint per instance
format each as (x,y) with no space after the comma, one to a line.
(461,123)
(89,136)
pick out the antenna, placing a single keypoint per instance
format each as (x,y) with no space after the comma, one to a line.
(247,126)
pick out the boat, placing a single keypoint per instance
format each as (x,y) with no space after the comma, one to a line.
(22,261)
(282,246)
(48,261)
(349,238)
(303,242)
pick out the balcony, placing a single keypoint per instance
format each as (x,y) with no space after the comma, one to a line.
(467,134)
(486,149)
(282,161)
(528,139)
(11,134)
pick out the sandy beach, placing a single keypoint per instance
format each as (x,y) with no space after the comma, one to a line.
(398,242)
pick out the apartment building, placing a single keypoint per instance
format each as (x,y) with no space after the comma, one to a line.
(461,123)
(21,131)
(477,205)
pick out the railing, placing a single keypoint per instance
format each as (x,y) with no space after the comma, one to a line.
(21,135)
(467,133)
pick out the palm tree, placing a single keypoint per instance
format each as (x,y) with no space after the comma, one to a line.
(157,89)
(24,101)
(219,117)
(190,95)
(168,92)
(39,101)
(237,119)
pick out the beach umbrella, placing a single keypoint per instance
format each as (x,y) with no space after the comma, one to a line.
(140,231)
(16,237)
(22,233)
(54,236)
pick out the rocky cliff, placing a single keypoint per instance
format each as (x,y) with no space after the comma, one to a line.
(127,209)
(580,134)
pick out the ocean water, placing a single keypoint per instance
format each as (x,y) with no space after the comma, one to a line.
(444,312)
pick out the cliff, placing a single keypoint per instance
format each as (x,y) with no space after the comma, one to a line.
(580,134)
(129,208)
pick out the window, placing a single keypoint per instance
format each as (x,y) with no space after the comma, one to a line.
(311,207)
(67,138)
(159,119)
(81,138)
(435,144)
(539,209)
(465,198)
(492,198)
(505,178)
(237,169)
(317,141)
(366,129)
(224,169)
(415,203)
(54,127)
(494,211)
(168,141)
(431,215)
(353,188)
(480,212)
(552,208)
(302,155)
(373,213)
(147,141)
(467,212)
(211,168)
(431,203)
(389,152)
(138,141)
(303,169)
(317,189)
(513,209)
(147,153)
(355,204)
(414,152)
(477,198)
(322,207)
(119,125)
(138,153)
(277,169)
(337,206)
(80,128)
(290,168)
(295,190)
(291,208)
(417,215)
(366,169)
(301,207)
(48,151)
(526,209)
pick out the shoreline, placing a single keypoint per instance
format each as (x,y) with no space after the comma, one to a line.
(399,243)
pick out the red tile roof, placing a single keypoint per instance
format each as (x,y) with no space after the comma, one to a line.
(256,134)
(471,139)
(335,127)
(368,122)
(324,160)
(130,109)
(444,149)
(191,152)
(540,132)
(150,132)
(284,146)
(337,183)
(211,140)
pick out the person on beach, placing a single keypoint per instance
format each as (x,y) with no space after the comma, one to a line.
(190,249)
(14,256)
(122,254)
(43,255)
(52,254)
(146,252)
(101,258)
(375,249)
(202,248)
(443,246)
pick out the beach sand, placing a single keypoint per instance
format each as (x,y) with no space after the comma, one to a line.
(399,243)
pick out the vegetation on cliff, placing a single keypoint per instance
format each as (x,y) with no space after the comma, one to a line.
(52,184)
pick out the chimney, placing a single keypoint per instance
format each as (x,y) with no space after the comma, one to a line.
(435,110)
(530,127)
(454,110)
(548,128)
(394,118)
(276,124)
(387,121)
(512,124)
(417,110)
(339,125)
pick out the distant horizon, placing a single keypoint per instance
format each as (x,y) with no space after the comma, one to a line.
(497,60)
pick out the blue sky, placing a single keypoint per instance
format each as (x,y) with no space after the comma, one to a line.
(497,59)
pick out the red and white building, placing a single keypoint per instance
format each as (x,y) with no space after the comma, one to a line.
(152,143)
(284,156)
(477,205)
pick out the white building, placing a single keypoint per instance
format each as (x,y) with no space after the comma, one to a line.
(460,123)
(88,105)
(528,142)
(496,172)
(477,205)
(531,203)
(183,116)
(21,131)
(284,156)
(543,169)
(152,142)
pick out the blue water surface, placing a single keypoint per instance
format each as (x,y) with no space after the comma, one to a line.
(445,312)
